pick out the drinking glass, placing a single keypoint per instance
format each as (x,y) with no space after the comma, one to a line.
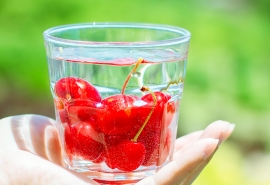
(116,89)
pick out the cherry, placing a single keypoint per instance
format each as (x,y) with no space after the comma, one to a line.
(87,111)
(71,88)
(165,147)
(169,111)
(83,140)
(133,154)
(119,114)
(161,100)
(151,135)
(100,159)
(111,141)
(126,156)
(90,142)
(70,141)
(151,141)
(121,130)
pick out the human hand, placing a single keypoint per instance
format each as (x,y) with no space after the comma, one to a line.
(30,153)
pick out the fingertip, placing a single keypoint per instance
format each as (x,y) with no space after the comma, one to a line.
(232,127)
(221,123)
(225,134)
(218,130)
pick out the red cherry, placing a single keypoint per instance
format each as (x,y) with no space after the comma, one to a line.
(70,141)
(119,114)
(165,147)
(162,99)
(112,157)
(114,140)
(83,140)
(86,111)
(111,141)
(133,154)
(151,140)
(151,135)
(169,111)
(155,120)
(100,159)
(71,88)
(127,156)
(90,142)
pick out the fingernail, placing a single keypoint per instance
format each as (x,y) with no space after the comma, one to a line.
(210,148)
(226,127)
(226,132)
(231,128)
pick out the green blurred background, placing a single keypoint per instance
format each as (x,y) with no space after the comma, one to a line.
(228,69)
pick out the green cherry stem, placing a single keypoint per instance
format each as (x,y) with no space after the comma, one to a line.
(139,61)
(143,89)
(172,82)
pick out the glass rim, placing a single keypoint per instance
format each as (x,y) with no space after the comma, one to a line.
(185,37)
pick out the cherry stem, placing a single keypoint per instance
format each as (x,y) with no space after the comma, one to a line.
(172,82)
(149,115)
(139,61)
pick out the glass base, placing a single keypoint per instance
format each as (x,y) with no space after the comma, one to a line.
(118,178)
(114,176)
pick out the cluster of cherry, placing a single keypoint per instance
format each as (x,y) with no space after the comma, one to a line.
(116,130)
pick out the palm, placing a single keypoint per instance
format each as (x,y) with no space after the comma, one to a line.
(31,142)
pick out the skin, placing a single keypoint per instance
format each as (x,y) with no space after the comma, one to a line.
(30,153)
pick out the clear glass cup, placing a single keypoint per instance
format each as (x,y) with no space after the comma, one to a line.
(116,89)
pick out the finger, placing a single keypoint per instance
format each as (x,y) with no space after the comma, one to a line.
(224,134)
(33,133)
(189,138)
(191,178)
(179,169)
(219,130)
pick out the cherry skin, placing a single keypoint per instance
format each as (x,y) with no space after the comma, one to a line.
(114,140)
(71,88)
(90,142)
(87,111)
(169,112)
(165,147)
(83,140)
(162,99)
(111,141)
(126,156)
(151,135)
(100,159)
(119,114)
(133,154)
(70,141)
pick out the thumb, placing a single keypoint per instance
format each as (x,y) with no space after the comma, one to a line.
(23,167)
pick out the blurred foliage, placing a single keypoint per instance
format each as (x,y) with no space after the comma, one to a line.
(227,75)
